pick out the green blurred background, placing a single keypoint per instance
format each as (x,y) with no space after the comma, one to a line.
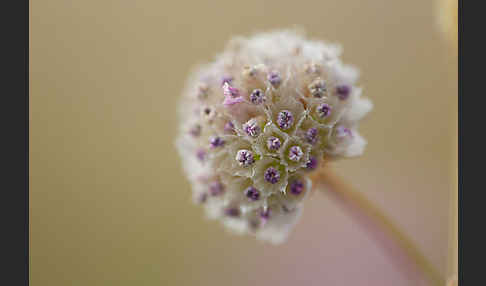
(109,202)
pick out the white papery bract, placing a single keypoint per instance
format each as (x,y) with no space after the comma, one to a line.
(258,119)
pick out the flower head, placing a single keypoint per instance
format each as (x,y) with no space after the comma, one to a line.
(273,107)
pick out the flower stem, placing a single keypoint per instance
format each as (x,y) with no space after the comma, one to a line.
(391,239)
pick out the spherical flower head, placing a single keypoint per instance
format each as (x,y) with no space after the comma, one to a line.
(201,154)
(256,121)
(343,132)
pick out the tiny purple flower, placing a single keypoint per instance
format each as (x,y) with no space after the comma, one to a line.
(343,132)
(216,188)
(311,164)
(317,88)
(295,153)
(272,175)
(343,91)
(252,128)
(296,187)
(323,110)
(232,212)
(229,128)
(245,158)
(201,154)
(274,79)
(273,143)
(257,96)
(252,193)
(311,135)
(285,119)
(216,142)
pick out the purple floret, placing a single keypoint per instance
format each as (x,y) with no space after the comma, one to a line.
(272,175)
(231,95)
(311,164)
(201,154)
(274,79)
(295,153)
(252,193)
(285,119)
(216,142)
(311,135)
(323,110)
(252,129)
(257,96)
(273,143)
(245,157)
(343,91)
(216,188)
(296,187)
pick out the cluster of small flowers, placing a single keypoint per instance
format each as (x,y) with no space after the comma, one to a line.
(269,110)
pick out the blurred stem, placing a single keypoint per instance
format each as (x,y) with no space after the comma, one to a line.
(390,238)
